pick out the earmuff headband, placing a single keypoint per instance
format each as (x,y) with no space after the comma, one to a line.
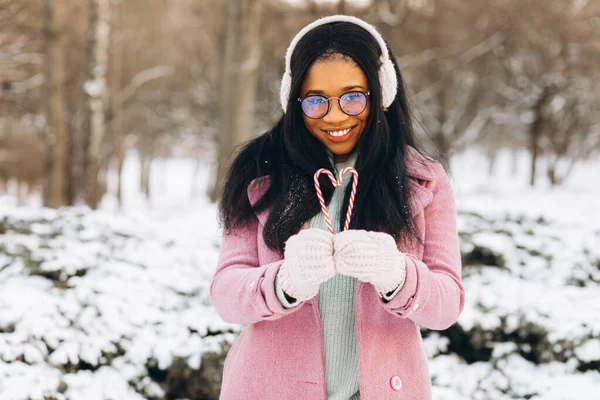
(387,74)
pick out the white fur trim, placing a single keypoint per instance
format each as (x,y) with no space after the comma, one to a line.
(387,74)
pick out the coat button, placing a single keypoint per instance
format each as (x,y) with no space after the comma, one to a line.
(415,306)
(252,284)
(396,382)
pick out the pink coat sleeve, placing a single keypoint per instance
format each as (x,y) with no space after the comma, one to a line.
(433,294)
(242,291)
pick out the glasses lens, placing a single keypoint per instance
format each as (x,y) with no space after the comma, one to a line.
(353,103)
(314,106)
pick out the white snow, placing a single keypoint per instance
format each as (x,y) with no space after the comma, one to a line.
(89,299)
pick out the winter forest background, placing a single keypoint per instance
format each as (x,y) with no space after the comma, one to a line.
(118,117)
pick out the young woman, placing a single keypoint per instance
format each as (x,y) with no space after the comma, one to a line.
(336,316)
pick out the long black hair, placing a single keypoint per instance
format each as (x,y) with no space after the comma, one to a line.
(290,155)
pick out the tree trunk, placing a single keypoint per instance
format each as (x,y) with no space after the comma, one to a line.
(55,192)
(75,156)
(229,63)
(569,169)
(534,136)
(551,173)
(557,179)
(248,73)
(116,114)
(76,104)
(492,158)
(146,160)
(97,96)
(239,80)
(536,131)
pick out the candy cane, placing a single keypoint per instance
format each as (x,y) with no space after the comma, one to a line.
(320,195)
(352,193)
(336,183)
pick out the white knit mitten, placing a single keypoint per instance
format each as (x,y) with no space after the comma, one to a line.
(308,262)
(371,257)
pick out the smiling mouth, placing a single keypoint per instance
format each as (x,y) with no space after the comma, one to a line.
(340,134)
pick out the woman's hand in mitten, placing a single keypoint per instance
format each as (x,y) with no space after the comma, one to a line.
(371,257)
(308,262)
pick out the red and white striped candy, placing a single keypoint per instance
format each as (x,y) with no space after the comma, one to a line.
(335,183)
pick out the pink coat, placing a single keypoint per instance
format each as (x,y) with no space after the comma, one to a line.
(279,353)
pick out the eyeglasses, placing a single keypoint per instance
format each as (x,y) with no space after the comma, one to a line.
(351,103)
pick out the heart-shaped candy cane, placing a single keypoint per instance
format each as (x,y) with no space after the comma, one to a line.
(336,183)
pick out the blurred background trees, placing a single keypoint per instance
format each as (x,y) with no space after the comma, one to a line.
(83,85)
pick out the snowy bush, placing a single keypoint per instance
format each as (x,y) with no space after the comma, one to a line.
(96,305)
(531,321)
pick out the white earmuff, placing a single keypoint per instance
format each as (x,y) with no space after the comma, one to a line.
(387,74)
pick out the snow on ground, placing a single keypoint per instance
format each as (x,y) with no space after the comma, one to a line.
(575,202)
(532,315)
(510,378)
(99,296)
(89,301)
(532,277)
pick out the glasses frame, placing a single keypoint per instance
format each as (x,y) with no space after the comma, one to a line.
(301,99)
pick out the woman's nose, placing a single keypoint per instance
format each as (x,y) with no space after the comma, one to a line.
(335,114)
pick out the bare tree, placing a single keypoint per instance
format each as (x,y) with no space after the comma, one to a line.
(240,62)
(570,126)
(97,95)
(495,74)
(115,101)
(56,130)
(545,57)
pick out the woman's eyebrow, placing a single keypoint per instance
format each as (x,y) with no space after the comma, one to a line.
(344,89)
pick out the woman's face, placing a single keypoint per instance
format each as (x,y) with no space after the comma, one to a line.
(332,78)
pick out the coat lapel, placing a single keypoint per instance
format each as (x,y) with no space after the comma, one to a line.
(420,196)
(256,189)
(419,172)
